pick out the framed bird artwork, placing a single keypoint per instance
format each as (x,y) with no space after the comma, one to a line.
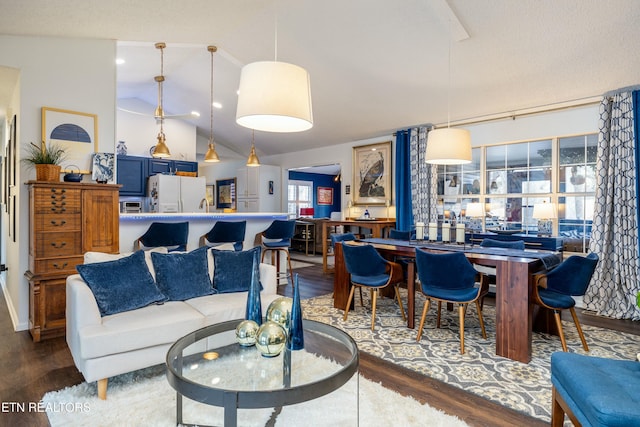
(372,174)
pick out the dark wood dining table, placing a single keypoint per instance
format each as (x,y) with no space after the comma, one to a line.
(514,283)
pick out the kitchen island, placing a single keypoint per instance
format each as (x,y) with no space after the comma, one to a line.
(133,225)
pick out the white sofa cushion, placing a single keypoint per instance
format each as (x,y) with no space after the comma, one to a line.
(144,327)
(222,307)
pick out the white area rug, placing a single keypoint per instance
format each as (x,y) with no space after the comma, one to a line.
(145,398)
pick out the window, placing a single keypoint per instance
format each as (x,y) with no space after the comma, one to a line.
(511,178)
(299,195)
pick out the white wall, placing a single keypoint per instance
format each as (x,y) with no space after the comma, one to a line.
(72,74)
(140,132)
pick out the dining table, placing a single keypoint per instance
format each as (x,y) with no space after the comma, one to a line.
(515,270)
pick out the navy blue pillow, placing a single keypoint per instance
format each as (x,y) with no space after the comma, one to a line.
(121,285)
(182,276)
(511,244)
(233,270)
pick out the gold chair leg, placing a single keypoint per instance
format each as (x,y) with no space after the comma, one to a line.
(579,328)
(479,307)
(461,316)
(556,314)
(438,317)
(404,318)
(423,318)
(346,309)
(373,308)
(102,388)
(290,271)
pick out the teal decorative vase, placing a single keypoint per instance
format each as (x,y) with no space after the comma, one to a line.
(296,333)
(254,305)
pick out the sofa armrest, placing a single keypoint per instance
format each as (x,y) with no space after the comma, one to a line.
(82,311)
(268,279)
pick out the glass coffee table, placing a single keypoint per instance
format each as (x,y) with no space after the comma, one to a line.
(208,366)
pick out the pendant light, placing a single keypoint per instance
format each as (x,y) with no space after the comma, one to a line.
(160,150)
(274,96)
(253,160)
(211,156)
(448,146)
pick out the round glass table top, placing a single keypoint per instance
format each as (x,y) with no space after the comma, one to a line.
(208,364)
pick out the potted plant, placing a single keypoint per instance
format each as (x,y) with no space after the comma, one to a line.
(46,160)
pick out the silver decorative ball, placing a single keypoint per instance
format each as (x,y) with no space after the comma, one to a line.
(271,338)
(279,311)
(246,333)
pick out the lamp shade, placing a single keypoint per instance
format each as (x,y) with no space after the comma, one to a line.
(544,211)
(448,146)
(274,97)
(161,150)
(474,210)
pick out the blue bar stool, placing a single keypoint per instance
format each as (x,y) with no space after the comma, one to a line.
(275,239)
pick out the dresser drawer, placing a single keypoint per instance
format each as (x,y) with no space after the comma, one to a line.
(57,265)
(58,222)
(58,244)
(57,200)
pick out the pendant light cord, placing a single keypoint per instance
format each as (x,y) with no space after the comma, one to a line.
(449,72)
(212,50)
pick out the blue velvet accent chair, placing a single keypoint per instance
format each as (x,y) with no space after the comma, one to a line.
(513,244)
(594,391)
(275,239)
(399,235)
(450,278)
(225,232)
(172,235)
(368,269)
(555,289)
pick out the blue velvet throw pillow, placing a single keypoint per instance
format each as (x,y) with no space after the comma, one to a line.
(121,285)
(182,276)
(233,270)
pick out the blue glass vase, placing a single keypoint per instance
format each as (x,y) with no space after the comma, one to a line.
(296,333)
(254,305)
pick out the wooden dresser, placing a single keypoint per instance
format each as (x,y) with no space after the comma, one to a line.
(65,221)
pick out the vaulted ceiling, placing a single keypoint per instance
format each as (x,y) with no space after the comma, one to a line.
(375,65)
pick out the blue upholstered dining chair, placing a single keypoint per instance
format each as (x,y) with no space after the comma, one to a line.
(555,289)
(399,235)
(509,244)
(450,278)
(172,235)
(225,232)
(368,269)
(341,237)
(275,239)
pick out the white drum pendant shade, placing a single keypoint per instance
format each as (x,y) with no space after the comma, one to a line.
(274,97)
(448,146)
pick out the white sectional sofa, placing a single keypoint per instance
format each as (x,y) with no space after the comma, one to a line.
(103,346)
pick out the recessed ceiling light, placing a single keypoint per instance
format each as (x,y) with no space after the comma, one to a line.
(217,105)
(195,114)
(120,61)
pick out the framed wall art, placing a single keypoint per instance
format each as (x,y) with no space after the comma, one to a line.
(325,195)
(74,131)
(372,174)
(209,194)
(226,193)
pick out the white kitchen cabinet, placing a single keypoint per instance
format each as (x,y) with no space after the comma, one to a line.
(259,189)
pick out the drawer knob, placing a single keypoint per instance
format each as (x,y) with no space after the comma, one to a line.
(58,224)
(59,246)
(59,267)
(58,210)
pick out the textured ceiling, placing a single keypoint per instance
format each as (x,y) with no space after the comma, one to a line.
(375,65)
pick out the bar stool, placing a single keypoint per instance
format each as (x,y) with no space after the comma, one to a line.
(277,238)
(172,235)
(225,232)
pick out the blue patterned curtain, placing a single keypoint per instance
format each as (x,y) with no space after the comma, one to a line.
(404,210)
(614,234)
(424,183)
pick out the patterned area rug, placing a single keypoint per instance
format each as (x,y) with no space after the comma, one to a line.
(523,387)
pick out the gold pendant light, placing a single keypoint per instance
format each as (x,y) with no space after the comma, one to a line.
(160,150)
(211,156)
(253,160)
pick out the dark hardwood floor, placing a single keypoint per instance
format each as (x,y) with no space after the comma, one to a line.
(29,370)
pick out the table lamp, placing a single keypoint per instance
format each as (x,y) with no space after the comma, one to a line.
(545,213)
(475,211)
